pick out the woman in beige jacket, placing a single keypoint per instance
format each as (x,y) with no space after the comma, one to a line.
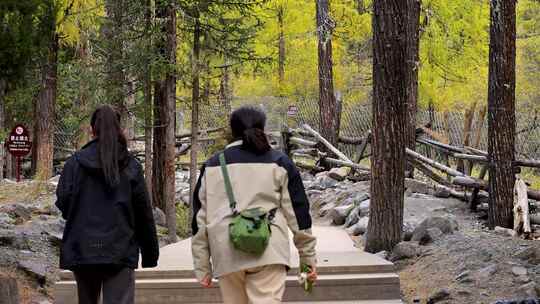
(260,177)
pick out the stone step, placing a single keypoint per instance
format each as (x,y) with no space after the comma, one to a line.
(335,287)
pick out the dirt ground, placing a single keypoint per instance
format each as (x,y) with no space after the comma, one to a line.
(474,265)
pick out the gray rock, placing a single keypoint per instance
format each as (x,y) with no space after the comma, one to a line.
(405,250)
(523,279)
(326,182)
(416,186)
(408,229)
(352,218)
(159,217)
(326,209)
(35,268)
(6,222)
(519,270)
(363,208)
(505,231)
(339,214)
(438,296)
(529,289)
(425,236)
(442,192)
(360,227)
(21,213)
(463,277)
(529,254)
(486,272)
(445,225)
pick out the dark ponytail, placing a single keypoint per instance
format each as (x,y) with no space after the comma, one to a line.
(247,124)
(111,144)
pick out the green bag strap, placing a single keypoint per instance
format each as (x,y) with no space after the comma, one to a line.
(227,181)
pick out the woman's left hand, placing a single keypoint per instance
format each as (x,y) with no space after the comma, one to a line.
(206,282)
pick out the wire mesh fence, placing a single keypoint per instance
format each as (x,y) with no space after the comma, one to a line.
(356,121)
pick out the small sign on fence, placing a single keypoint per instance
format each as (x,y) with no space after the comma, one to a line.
(19,145)
(292,110)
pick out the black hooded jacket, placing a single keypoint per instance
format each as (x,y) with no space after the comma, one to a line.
(104,225)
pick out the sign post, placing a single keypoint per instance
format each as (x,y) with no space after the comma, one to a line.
(19,145)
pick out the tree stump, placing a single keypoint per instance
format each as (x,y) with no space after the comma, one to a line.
(9,293)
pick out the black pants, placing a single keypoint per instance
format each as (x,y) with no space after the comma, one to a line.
(118,285)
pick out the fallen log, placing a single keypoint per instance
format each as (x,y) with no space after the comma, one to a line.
(521,208)
(362,148)
(428,172)
(348,140)
(432,163)
(469,157)
(527,163)
(469,182)
(302,142)
(326,143)
(440,146)
(348,164)
(305,166)
(475,151)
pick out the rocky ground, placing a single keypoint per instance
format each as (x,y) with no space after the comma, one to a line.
(31,231)
(448,255)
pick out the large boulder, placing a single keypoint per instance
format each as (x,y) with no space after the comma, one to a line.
(360,227)
(339,214)
(426,233)
(416,186)
(353,217)
(405,250)
(159,217)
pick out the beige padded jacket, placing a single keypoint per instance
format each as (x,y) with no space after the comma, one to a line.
(268,181)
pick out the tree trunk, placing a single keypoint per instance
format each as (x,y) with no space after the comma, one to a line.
(170,138)
(45,108)
(114,44)
(328,107)
(389,124)
(2,127)
(281,47)
(413,58)
(147,92)
(129,119)
(164,165)
(501,113)
(225,91)
(195,108)
(84,129)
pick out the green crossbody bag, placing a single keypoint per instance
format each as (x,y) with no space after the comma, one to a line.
(249,230)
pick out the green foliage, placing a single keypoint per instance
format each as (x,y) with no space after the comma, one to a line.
(183,222)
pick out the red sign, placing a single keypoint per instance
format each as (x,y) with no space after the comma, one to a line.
(18,142)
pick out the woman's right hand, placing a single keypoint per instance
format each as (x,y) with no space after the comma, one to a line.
(312,276)
(206,282)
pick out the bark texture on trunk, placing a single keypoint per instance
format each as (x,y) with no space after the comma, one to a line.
(45,112)
(2,127)
(501,112)
(164,161)
(389,125)
(281,47)
(413,59)
(195,108)
(225,91)
(147,92)
(115,70)
(328,107)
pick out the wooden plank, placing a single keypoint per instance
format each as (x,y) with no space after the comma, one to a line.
(433,163)
(469,182)
(469,157)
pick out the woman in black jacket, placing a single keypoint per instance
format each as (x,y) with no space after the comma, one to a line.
(103,198)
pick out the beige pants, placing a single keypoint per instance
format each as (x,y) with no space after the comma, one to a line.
(261,285)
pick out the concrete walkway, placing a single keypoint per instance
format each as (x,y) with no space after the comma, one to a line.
(347,275)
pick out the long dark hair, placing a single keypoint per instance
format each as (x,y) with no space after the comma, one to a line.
(247,123)
(111,143)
